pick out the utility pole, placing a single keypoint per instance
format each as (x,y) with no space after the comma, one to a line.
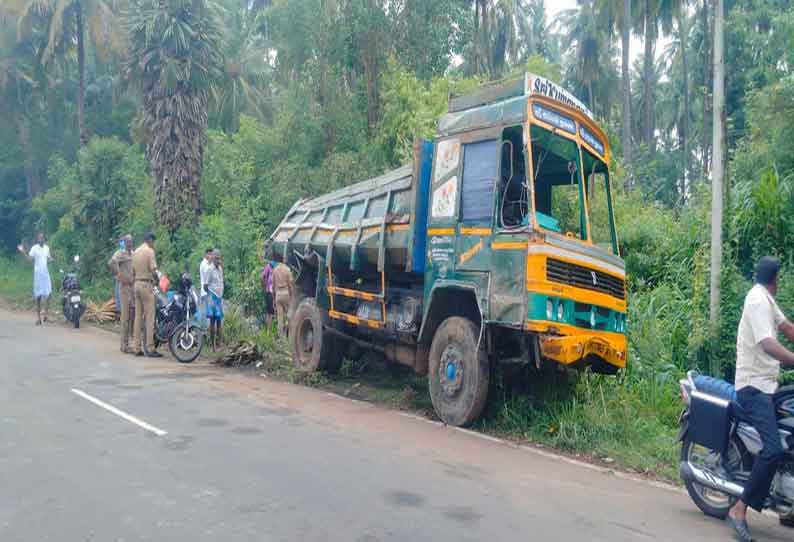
(718,173)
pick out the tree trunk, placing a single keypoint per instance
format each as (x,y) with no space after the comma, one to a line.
(706,84)
(80,30)
(684,30)
(648,62)
(32,179)
(590,95)
(484,38)
(718,172)
(626,109)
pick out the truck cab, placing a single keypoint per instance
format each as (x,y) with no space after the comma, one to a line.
(522,218)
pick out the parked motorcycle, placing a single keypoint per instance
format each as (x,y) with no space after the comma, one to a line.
(718,450)
(73,307)
(176,321)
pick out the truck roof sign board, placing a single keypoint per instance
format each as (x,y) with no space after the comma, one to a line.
(540,86)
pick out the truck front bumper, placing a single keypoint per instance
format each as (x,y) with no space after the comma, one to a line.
(604,351)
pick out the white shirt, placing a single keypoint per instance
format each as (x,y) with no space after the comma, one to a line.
(761,319)
(203,270)
(41,257)
(215,280)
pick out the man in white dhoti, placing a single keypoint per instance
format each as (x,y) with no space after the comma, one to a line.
(39,255)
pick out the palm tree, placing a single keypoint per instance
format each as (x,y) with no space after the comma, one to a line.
(617,14)
(174,59)
(243,89)
(20,85)
(676,58)
(66,22)
(588,47)
(653,17)
(506,33)
(718,172)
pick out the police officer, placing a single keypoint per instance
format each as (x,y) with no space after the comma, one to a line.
(144,268)
(120,266)
(284,291)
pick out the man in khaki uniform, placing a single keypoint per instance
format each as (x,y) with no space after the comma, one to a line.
(144,268)
(283,290)
(120,266)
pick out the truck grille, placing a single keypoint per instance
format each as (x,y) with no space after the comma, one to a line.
(582,277)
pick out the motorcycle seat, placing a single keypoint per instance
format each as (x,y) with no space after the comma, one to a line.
(715,386)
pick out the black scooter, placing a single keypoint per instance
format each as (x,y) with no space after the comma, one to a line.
(73,306)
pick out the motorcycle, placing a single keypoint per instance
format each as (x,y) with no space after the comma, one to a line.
(177,321)
(718,449)
(73,307)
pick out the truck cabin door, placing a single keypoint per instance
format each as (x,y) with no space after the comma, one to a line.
(477,202)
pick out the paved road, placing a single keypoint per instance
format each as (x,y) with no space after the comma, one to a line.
(249,459)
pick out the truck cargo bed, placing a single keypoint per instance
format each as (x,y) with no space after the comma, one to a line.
(372,225)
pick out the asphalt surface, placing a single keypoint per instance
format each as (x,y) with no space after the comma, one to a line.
(245,458)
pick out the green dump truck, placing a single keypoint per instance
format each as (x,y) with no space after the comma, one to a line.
(498,244)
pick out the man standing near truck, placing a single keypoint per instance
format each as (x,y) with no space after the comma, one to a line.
(283,290)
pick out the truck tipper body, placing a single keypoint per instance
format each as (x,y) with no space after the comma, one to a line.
(496,245)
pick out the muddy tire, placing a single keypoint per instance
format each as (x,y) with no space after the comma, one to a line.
(313,348)
(458,372)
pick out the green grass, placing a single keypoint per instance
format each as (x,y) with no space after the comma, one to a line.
(607,418)
(16,282)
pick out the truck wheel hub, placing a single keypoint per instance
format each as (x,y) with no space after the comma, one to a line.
(450,371)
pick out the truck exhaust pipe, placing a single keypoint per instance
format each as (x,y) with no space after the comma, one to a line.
(692,473)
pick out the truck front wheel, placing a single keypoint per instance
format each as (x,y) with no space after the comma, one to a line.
(458,372)
(313,348)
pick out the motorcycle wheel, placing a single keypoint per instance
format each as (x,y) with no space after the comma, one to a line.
(186,345)
(710,501)
(76,321)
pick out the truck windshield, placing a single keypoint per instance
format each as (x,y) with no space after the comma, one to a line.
(599,203)
(558,198)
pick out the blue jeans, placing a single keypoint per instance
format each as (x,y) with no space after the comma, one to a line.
(758,409)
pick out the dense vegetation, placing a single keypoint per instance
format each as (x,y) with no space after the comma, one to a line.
(204,120)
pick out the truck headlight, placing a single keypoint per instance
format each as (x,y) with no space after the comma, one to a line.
(560,311)
(549,309)
(592,317)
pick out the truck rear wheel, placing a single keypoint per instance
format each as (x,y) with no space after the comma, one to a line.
(313,348)
(458,372)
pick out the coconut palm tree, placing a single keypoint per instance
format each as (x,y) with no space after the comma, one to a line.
(175,56)
(67,22)
(588,45)
(20,89)
(506,33)
(679,118)
(652,18)
(718,171)
(244,87)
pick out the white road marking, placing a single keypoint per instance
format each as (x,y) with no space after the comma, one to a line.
(120,413)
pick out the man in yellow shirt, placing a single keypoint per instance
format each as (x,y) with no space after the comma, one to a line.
(144,269)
